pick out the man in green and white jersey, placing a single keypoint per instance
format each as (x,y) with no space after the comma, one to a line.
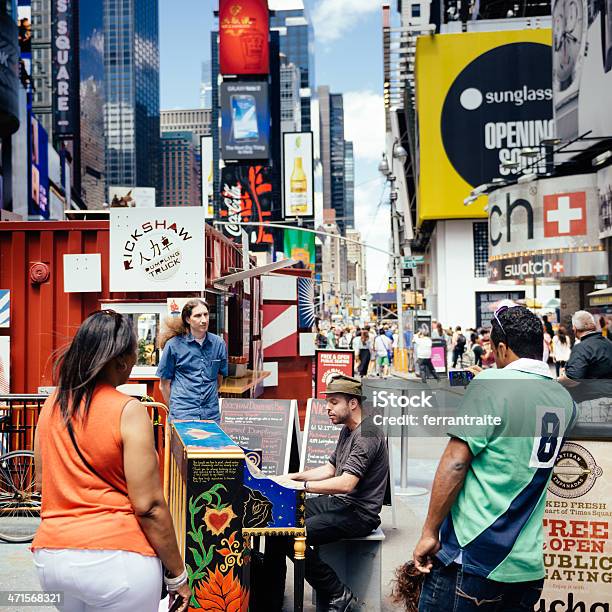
(482,543)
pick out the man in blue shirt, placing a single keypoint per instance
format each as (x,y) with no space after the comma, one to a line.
(192,366)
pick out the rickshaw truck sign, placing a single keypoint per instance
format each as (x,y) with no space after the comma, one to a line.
(157,249)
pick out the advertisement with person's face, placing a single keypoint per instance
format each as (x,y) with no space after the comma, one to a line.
(582,69)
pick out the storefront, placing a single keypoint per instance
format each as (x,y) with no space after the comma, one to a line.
(544,235)
(56,273)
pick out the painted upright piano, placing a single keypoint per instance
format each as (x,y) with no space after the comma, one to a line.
(218,501)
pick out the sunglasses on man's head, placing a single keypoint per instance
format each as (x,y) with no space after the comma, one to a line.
(501,309)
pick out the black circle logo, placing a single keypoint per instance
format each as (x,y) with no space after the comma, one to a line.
(500,104)
(575,472)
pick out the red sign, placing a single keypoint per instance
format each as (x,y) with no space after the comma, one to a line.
(329,364)
(243,37)
(565,214)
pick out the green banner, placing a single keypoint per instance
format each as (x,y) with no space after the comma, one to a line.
(300,245)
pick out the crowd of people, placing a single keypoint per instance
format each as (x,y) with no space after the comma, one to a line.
(373,347)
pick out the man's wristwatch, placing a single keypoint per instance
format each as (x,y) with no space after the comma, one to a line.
(305,485)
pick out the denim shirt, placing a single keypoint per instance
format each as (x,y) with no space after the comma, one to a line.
(193,370)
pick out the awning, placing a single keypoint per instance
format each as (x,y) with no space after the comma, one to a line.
(232,279)
(607,291)
(603,297)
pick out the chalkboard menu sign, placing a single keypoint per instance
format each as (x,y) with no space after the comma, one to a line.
(267,424)
(320,436)
(486,301)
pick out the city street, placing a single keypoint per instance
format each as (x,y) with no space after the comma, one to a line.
(345,258)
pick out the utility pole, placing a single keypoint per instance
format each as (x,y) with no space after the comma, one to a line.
(397,261)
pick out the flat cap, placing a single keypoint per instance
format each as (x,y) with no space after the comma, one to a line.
(344,384)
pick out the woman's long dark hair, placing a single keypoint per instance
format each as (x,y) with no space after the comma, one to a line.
(562,333)
(102,337)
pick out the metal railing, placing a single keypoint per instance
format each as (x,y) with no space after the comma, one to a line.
(19,417)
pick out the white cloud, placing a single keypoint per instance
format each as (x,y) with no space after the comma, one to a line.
(364,124)
(373,221)
(333,18)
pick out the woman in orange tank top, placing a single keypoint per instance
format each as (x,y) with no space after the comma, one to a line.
(105,528)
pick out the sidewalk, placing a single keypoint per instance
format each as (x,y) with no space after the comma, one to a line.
(18,572)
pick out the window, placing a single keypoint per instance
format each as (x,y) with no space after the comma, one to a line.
(416,10)
(481,248)
(146,319)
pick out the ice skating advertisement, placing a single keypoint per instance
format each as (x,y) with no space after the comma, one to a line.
(577,524)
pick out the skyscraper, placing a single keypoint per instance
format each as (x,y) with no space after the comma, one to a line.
(42,78)
(291,107)
(206,85)
(290,18)
(331,111)
(180,170)
(91,68)
(131,115)
(349,184)
(194,120)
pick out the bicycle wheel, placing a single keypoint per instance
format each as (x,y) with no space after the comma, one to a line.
(19,502)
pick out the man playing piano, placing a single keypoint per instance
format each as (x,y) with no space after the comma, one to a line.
(350,490)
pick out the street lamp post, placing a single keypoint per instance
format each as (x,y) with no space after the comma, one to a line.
(399,153)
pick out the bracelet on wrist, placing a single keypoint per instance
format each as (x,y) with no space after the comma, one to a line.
(174,584)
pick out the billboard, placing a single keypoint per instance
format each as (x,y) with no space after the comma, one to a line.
(300,245)
(582,68)
(157,249)
(246,196)
(557,214)
(577,521)
(65,75)
(39,169)
(245,120)
(243,37)
(131,197)
(298,175)
(206,169)
(545,229)
(24,23)
(482,97)
(604,190)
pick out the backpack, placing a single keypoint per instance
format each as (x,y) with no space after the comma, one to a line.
(461,342)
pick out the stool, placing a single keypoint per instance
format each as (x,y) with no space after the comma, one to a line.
(358,563)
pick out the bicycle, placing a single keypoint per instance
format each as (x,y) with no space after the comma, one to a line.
(19,500)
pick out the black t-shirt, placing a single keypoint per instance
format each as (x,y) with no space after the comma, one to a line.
(365,456)
(590,364)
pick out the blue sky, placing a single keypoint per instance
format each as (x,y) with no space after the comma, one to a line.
(348,56)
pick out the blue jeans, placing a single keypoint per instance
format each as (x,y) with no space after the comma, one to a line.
(453,590)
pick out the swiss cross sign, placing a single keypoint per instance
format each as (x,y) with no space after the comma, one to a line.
(565,214)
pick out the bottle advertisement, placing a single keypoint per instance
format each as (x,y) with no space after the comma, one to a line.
(298,175)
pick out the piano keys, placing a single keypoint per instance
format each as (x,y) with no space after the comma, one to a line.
(218,501)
